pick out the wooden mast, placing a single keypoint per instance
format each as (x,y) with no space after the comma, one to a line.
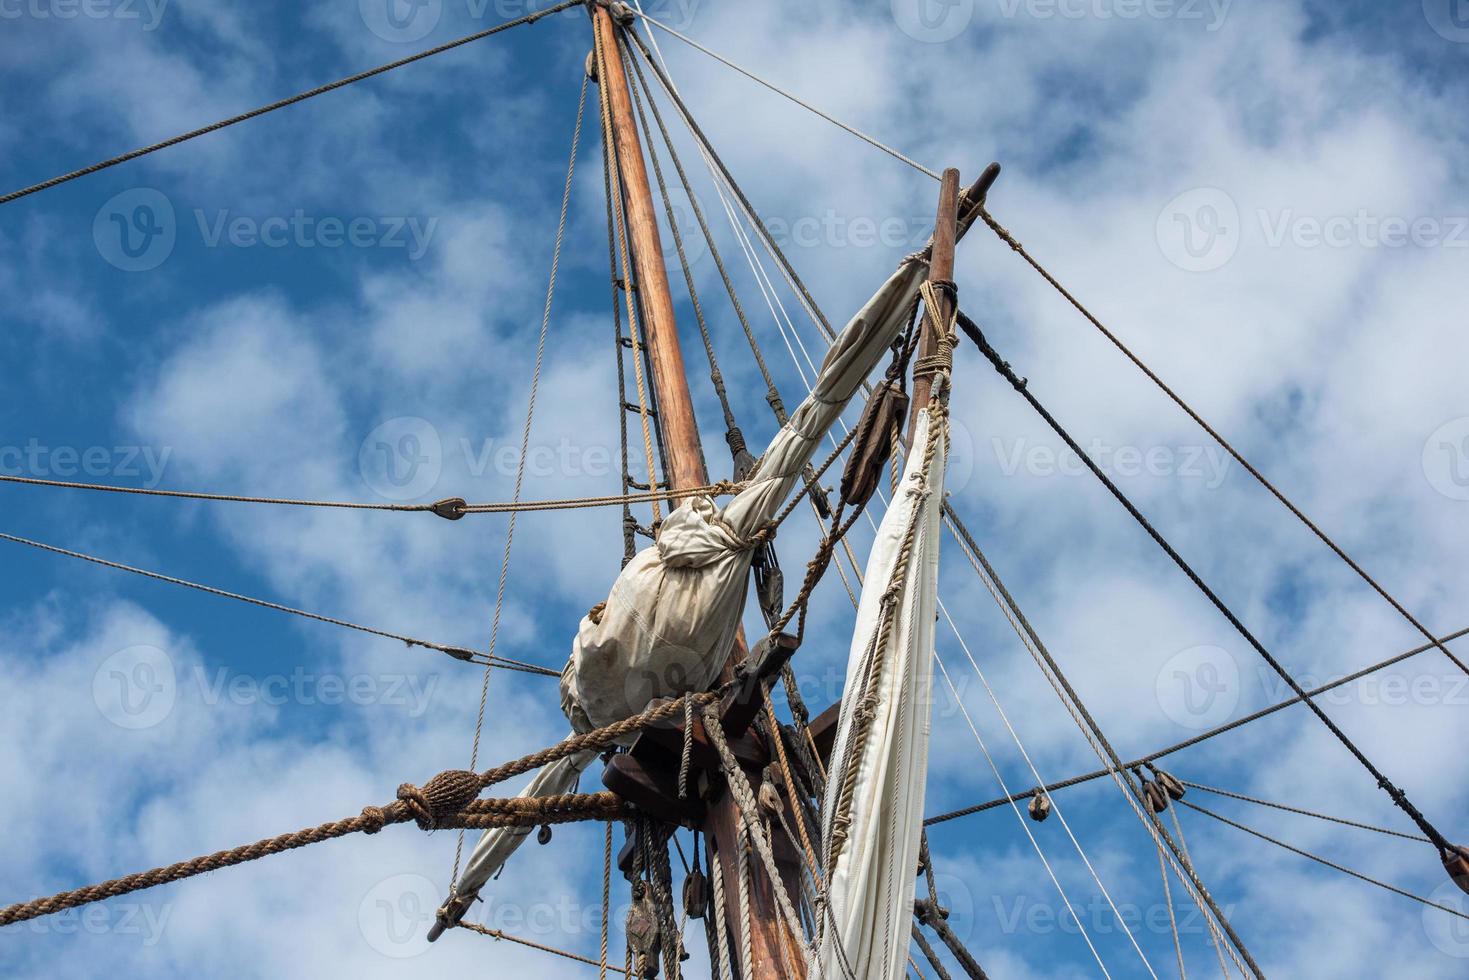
(685,461)
(940,269)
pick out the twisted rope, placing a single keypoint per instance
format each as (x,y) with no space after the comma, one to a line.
(567,954)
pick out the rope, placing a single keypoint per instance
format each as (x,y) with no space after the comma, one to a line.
(458,653)
(606,900)
(930,954)
(1172,917)
(1300,515)
(1397,795)
(1305,813)
(1321,860)
(720,924)
(786,95)
(530,413)
(960,530)
(530,18)
(452,508)
(567,954)
(1188,861)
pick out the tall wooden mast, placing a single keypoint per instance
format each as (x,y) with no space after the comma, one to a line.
(685,461)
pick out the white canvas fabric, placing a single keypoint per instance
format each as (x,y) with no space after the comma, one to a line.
(672,613)
(871,883)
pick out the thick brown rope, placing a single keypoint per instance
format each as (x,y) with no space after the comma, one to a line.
(530,18)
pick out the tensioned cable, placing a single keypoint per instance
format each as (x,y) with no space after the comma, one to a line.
(1020,385)
(787,95)
(530,18)
(1305,813)
(458,653)
(1020,249)
(1321,860)
(541,947)
(1202,736)
(530,414)
(510,507)
(1024,825)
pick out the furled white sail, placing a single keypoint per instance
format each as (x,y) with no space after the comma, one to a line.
(671,615)
(873,813)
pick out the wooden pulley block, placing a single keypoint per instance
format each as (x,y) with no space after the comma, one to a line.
(1156,797)
(873,445)
(1171,784)
(1040,807)
(695,894)
(1457,865)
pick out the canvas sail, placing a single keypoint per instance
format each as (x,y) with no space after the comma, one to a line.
(671,616)
(873,813)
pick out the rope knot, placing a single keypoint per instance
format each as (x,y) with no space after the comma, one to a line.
(446,794)
(595,613)
(374,819)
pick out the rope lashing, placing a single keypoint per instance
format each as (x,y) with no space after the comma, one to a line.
(1397,795)
(530,18)
(458,653)
(1224,444)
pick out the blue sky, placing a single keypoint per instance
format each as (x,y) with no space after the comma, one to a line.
(1268,200)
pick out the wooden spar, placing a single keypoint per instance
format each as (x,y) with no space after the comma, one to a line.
(940,269)
(684,458)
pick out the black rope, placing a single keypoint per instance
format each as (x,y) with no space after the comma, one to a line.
(1187,743)
(530,18)
(1019,384)
(1287,808)
(1223,443)
(458,653)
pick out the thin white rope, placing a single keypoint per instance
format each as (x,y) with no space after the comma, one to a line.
(1040,781)
(787,95)
(1024,821)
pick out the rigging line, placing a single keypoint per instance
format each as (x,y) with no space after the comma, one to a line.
(1172,918)
(1010,240)
(1189,863)
(567,954)
(1305,813)
(1202,736)
(1020,385)
(1100,744)
(530,18)
(1040,853)
(450,508)
(1024,754)
(458,653)
(530,414)
(787,95)
(1321,860)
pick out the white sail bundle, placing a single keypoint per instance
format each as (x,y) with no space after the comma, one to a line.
(671,616)
(873,813)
